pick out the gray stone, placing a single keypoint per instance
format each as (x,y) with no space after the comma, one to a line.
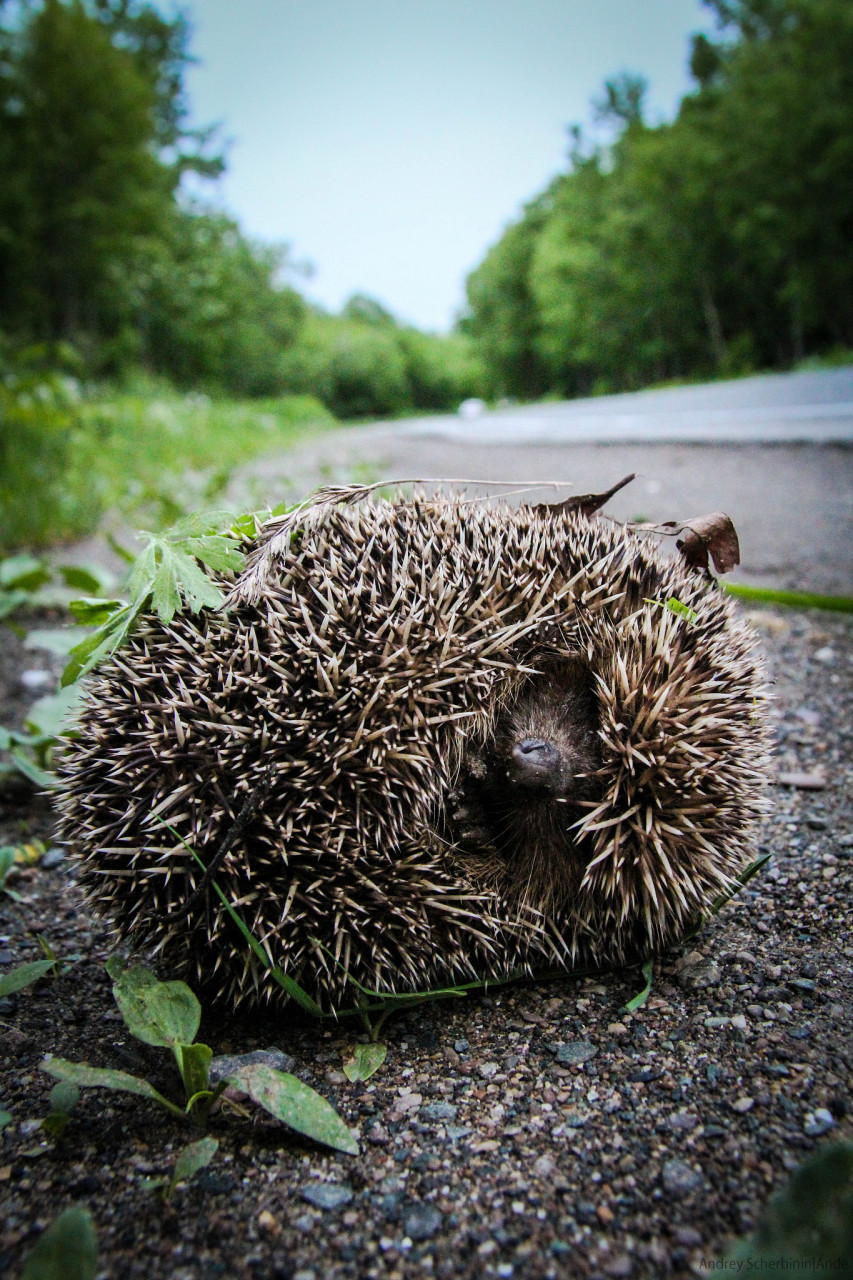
(326,1195)
(818,1122)
(681,1179)
(575,1051)
(227,1063)
(698,972)
(422,1222)
(439,1111)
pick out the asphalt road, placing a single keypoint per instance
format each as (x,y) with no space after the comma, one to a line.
(814,408)
(775,452)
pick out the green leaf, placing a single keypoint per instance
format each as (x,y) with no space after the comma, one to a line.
(218,552)
(5,1118)
(105,1078)
(66,1250)
(297,1105)
(55,713)
(362,1060)
(90,578)
(158,1013)
(195,584)
(194,1065)
(165,595)
(12,600)
(196,1156)
(794,599)
(640,999)
(24,976)
(681,610)
(25,765)
(59,640)
(102,642)
(94,611)
(141,577)
(7,861)
(23,573)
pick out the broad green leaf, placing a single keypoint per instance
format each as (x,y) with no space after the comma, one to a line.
(24,573)
(196,1156)
(24,976)
(194,1065)
(218,552)
(105,1078)
(94,611)
(12,600)
(102,642)
(640,999)
(60,640)
(297,1105)
(25,765)
(195,584)
(165,596)
(66,1250)
(5,1118)
(362,1060)
(7,860)
(158,1013)
(64,1097)
(54,714)
(141,577)
(87,577)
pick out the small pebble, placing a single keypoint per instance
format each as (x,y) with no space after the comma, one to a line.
(689,1237)
(818,1122)
(488,1069)
(825,654)
(461,1046)
(422,1222)
(681,1179)
(743,1105)
(576,1051)
(326,1195)
(439,1111)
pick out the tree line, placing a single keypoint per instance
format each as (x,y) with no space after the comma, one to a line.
(716,244)
(102,251)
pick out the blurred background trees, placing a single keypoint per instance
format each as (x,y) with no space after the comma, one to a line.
(716,244)
(102,250)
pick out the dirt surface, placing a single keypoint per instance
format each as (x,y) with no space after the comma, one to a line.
(484,1150)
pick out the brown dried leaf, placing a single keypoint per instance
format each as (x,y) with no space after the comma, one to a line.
(586,503)
(713,535)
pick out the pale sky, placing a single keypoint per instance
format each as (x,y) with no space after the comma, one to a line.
(390,141)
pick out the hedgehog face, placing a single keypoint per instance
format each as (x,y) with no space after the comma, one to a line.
(524,793)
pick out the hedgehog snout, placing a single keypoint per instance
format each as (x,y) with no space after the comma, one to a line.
(538,765)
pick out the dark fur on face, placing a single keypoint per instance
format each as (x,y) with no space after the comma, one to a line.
(522,793)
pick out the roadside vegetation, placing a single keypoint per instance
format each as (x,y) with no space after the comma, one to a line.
(715,245)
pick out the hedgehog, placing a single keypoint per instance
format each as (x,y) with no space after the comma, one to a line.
(425,741)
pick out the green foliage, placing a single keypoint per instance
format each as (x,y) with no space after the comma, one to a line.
(24,975)
(808,1227)
(66,1250)
(167,1014)
(648,971)
(713,245)
(363,1060)
(165,577)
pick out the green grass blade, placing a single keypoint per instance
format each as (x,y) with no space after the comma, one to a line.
(793,599)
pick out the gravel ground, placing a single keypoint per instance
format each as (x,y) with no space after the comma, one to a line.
(537,1132)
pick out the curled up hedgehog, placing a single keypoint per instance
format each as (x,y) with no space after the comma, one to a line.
(425,741)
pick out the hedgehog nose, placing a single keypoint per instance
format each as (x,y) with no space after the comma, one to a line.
(536,763)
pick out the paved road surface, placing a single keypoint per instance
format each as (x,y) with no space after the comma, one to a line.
(791,496)
(797,407)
